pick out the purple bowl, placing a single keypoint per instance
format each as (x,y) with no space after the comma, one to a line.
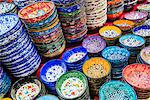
(94,44)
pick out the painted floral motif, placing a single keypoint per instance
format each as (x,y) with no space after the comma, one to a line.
(72,87)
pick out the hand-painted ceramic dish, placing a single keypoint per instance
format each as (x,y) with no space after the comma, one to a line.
(132,41)
(115,54)
(94,44)
(75,55)
(50,73)
(27,88)
(116,90)
(124,24)
(71,85)
(143,31)
(110,32)
(48,97)
(9,24)
(137,75)
(145,55)
(36,12)
(96,67)
(136,16)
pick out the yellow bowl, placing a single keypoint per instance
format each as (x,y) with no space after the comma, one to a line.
(110,28)
(104,69)
(124,24)
(6,99)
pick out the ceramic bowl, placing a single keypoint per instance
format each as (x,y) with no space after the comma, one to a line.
(117,90)
(124,24)
(96,68)
(42,10)
(94,44)
(29,88)
(145,55)
(76,79)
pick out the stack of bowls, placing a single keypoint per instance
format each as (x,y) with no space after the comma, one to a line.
(124,25)
(96,13)
(118,57)
(7,8)
(116,90)
(28,88)
(144,56)
(110,34)
(73,19)
(129,4)
(48,97)
(17,52)
(144,7)
(144,31)
(115,8)
(22,3)
(50,73)
(98,71)
(134,44)
(43,24)
(147,22)
(73,85)
(137,17)
(75,58)
(138,76)
(94,45)
(5,83)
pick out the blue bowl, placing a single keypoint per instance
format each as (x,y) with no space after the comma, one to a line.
(133,38)
(116,90)
(75,50)
(122,55)
(48,71)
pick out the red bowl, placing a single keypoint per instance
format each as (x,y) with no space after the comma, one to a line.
(36,12)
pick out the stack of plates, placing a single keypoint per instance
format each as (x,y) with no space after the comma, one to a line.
(124,25)
(147,22)
(22,3)
(137,17)
(73,85)
(110,34)
(134,44)
(115,8)
(7,8)
(48,97)
(144,56)
(73,19)
(129,4)
(143,31)
(5,83)
(17,52)
(75,58)
(98,71)
(94,45)
(28,88)
(118,57)
(138,76)
(144,7)
(42,21)
(96,13)
(50,73)
(116,90)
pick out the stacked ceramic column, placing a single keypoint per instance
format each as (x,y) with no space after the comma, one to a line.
(42,21)
(73,19)
(96,12)
(17,52)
